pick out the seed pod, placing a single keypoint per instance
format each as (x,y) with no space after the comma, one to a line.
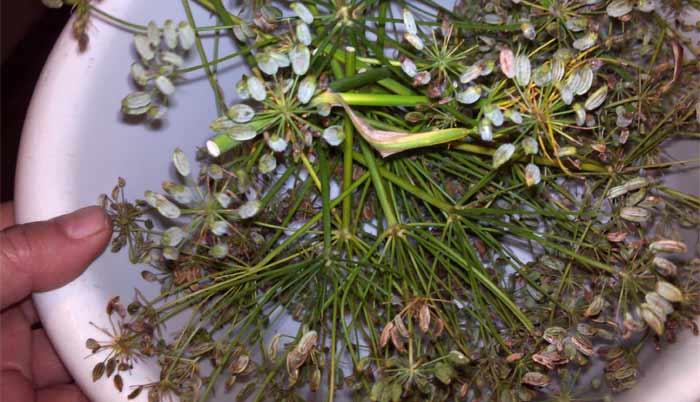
(240,113)
(576,24)
(408,67)
(522,70)
(136,103)
(558,69)
(302,12)
(536,379)
(528,30)
(652,319)
(494,114)
(219,250)
(303,33)
(409,21)
(635,214)
(514,357)
(596,306)
(256,88)
(424,318)
(566,94)
(240,364)
(469,95)
(485,130)
(583,345)
(414,40)
(586,41)
(172,236)
(400,327)
(185,35)
(471,73)
(181,163)
(543,75)
(249,209)
(334,135)
(566,151)
(619,8)
(665,266)
(507,61)
(668,246)
(514,116)
(596,98)
(241,132)
(300,56)
(139,73)
(532,175)
(143,47)
(266,63)
(660,305)
(118,383)
(585,329)
(580,112)
(170,34)
(277,144)
(98,371)
(669,292)
(585,80)
(315,380)
(458,358)
(397,342)
(421,78)
(444,373)
(530,146)
(386,334)
(166,208)
(554,335)
(502,155)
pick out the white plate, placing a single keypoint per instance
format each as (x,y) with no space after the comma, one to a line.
(76,143)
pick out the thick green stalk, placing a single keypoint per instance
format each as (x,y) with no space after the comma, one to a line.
(326,200)
(347,146)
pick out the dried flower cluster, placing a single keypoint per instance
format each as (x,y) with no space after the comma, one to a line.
(410,202)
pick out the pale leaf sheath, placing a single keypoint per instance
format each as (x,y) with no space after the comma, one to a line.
(391,142)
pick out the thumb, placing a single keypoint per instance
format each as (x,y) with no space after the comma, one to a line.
(41,256)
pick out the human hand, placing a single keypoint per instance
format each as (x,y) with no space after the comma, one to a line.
(37,257)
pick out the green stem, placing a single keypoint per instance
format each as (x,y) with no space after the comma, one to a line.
(350,66)
(378,184)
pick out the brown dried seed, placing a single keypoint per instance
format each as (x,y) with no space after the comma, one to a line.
(424,318)
(439,327)
(536,379)
(595,307)
(583,345)
(118,383)
(400,326)
(386,334)
(397,341)
(135,393)
(98,371)
(230,382)
(307,342)
(240,364)
(514,357)
(294,361)
(110,366)
(274,345)
(92,344)
(616,237)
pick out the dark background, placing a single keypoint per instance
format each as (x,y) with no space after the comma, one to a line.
(28,33)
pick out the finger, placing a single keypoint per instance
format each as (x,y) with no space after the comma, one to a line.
(47,368)
(27,307)
(61,393)
(45,255)
(15,387)
(15,343)
(7,214)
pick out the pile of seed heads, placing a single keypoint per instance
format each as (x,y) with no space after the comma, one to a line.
(464,203)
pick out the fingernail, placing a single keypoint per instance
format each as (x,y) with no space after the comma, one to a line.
(83,223)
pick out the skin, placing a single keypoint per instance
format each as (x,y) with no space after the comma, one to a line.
(38,257)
